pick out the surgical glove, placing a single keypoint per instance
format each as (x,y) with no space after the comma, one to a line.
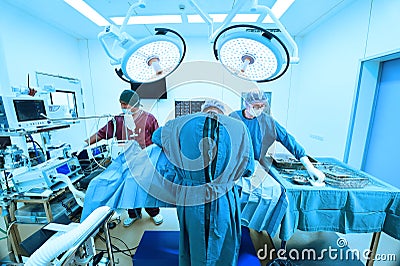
(317,177)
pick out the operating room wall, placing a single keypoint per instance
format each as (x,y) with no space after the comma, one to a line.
(32,45)
(324,85)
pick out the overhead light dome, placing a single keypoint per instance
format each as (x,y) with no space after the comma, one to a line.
(251,55)
(255,55)
(152,59)
(146,60)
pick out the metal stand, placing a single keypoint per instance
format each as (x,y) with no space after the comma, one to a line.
(373,248)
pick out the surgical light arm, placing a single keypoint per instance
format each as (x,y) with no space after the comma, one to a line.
(118,35)
(204,15)
(266,10)
(156,56)
(112,32)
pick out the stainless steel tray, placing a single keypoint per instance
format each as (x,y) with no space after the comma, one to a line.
(287,161)
(342,177)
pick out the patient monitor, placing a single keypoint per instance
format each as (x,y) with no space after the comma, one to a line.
(23,112)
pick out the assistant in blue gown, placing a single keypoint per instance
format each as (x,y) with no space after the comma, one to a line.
(264,130)
(209,152)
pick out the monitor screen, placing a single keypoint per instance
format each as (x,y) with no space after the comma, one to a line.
(4,142)
(153,90)
(29,110)
(63,169)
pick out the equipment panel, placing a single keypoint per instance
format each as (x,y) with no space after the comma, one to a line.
(45,175)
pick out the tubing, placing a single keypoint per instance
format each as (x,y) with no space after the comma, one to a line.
(53,247)
(78,195)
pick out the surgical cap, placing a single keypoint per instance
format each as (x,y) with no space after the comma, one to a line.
(130,97)
(213,104)
(255,96)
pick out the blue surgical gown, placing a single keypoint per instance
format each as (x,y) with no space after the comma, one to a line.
(209,219)
(264,130)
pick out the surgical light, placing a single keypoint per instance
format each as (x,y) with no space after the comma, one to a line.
(151,59)
(251,55)
(255,55)
(146,60)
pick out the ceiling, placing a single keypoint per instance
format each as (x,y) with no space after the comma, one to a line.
(302,16)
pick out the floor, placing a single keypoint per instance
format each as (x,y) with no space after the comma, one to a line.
(124,237)
(129,237)
(300,242)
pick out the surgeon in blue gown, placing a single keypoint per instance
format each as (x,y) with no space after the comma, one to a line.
(209,151)
(264,131)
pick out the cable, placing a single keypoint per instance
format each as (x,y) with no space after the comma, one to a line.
(369,25)
(124,250)
(4,232)
(9,227)
(127,248)
(93,166)
(35,143)
(97,258)
(288,101)
(114,135)
(117,248)
(90,74)
(91,157)
(6,176)
(34,147)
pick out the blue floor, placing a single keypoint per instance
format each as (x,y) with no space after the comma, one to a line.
(162,248)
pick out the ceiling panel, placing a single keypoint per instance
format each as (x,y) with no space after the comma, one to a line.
(300,17)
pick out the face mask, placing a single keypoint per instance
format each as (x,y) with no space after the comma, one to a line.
(256,112)
(128,111)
